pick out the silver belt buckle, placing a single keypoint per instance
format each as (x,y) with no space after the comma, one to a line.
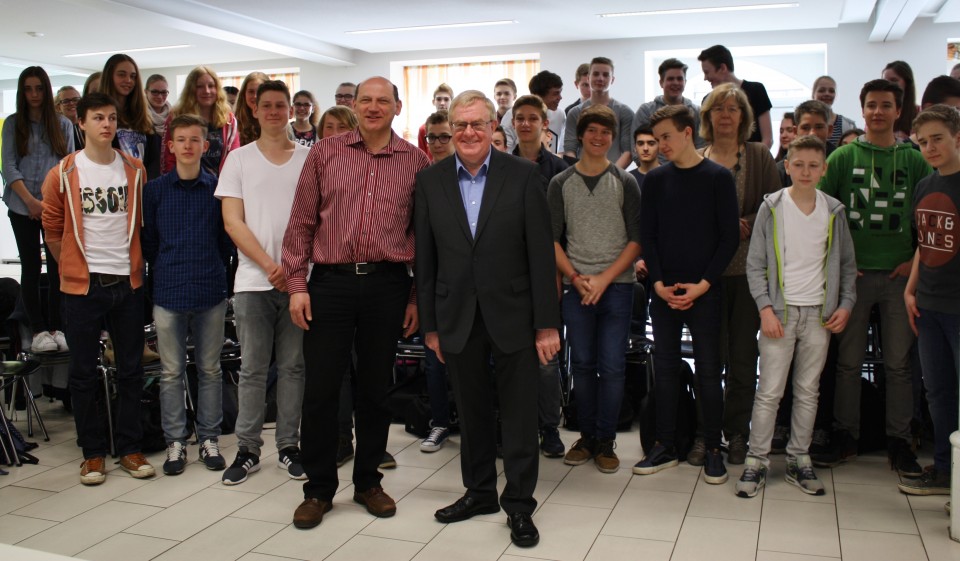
(357,270)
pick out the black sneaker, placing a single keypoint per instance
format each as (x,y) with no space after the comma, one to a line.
(659,458)
(210,454)
(245,464)
(550,444)
(902,458)
(289,459)
(932,482)
(344,450)
(388,461)
(781,435)
(176,459)
(843,448)
(714,472)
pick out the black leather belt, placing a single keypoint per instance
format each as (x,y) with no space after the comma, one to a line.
(104,279)
(362,268)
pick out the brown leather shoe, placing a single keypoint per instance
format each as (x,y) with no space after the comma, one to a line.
(378,503)
(310,513)
(137,466)
(92,471)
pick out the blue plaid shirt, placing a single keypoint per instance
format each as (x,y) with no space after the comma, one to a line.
(184,242)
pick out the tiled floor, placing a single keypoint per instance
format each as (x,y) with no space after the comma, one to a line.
(583,513)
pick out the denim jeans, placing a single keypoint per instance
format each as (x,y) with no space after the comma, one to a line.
(876,287)
(84,315)
(263,321)
(939,354)
(598,345)
(206,326)
(703,319)
(804,345)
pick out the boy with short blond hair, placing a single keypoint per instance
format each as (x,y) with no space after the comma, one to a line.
(802,273)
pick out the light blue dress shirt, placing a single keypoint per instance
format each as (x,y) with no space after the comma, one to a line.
(471,190)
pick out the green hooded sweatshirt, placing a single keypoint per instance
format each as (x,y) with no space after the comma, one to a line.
(877,185)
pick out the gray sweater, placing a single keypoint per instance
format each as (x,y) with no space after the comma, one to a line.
(765,261)
(597,216)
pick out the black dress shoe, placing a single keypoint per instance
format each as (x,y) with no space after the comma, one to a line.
(523,533)
(464,508)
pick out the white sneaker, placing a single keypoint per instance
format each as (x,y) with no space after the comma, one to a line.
(43,342)
(61,340)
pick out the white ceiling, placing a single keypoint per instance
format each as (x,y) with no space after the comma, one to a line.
(222,31)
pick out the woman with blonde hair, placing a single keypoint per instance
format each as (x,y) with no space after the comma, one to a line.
(726,122)
(246,104)
(203,96)
(135,135)
(825,91)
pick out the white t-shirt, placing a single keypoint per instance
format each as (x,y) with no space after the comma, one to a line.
(267,191)
(805,252)
(103,194)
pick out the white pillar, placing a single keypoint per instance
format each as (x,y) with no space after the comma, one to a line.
(955,486)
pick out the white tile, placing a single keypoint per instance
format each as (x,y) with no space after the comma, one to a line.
(716,539)
(721,501)
(127,547)
(552,469)
(339,525)
(276,506)
(57,479)
(615,548)
(192,514)
(17,528)
(17,474)
(799,527)
(226,540)
(866,471)
(566,532)
(448,478)
(928,502)
(778,556)
(655,515)
(59,454)
(414,520)
(169,490)
(400,481)
(82,532)
(935,533)
(267,479)
(79,499)
(587,486)
(412,456)
(877,508)
(469,540)
(262,557)
(12,497)
(681,479)
(382,549)
(878,546)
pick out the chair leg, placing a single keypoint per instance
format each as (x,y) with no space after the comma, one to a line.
(32,406)
(105,373)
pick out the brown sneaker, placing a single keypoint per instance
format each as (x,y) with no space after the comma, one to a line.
(378,503)
(606,459)
(581,452)
(92,471)
(137,466)
(310,513)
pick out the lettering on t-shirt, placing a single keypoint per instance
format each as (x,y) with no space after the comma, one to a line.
(936,217)
(876,207)
(104,200)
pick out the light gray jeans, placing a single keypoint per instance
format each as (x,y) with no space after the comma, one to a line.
(263,320)
(876,287)
(804,343)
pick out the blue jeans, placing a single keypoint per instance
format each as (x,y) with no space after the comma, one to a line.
(703,319)
(598,344)
(206,326)
(83,315)
(939,342)
(263,320)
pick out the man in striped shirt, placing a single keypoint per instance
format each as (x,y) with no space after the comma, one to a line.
(352,217)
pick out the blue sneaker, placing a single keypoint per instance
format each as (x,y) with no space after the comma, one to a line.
(659,458)
(714,472)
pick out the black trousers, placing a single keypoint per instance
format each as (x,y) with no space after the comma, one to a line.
(348,309)
(515,380)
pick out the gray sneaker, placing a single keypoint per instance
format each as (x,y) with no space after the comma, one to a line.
(698,452)
(753,479)
(932,482)
(800,473)
(737,450)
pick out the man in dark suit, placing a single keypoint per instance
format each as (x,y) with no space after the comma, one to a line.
(486,284)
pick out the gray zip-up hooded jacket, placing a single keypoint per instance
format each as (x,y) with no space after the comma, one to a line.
(765,259)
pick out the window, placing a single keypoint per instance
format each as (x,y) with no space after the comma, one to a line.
(417,80)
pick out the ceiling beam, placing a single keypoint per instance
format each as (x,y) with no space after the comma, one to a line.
(857,11)
(893,19)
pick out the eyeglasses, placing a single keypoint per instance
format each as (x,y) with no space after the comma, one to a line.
(71,101)
(164,93)
(443,138)
(461,126)
(343,97)
(301,105)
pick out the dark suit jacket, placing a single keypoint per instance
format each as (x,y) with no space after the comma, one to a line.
(508,269)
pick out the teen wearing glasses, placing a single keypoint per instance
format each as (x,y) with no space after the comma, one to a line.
(157,105)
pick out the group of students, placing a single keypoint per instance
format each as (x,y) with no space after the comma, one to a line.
(799,253)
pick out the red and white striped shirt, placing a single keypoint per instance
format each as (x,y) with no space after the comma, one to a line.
(352,206)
